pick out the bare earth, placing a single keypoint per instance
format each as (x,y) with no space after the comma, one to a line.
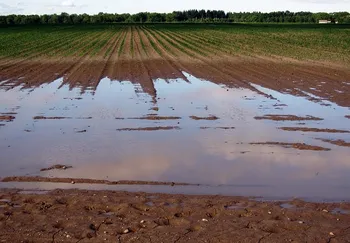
(104,216)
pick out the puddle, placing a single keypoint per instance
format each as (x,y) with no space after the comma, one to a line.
(192,131)
(39,192)
(237,206)
(5,201)
(340,211)
(108,214)
(287,206)
(149,204)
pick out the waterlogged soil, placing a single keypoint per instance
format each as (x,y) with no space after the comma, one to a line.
(6,118)
(287,118)
(149,129)
(300,146)
(309,129)
(209,118)
(338,142)
(105,216)
(86,181)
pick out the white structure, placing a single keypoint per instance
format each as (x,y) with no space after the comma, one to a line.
(324,21)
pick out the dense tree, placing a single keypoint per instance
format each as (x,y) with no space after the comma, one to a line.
(191,16)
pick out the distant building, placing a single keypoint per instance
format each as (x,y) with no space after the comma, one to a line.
(323,21)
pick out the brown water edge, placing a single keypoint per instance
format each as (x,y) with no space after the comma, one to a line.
(308,129)
(88,181)
(287,118)
(58,118)
(57,167)
(299,146)
(150,128)
(6,118)
(209,118)
(114,216)
(155,117)
(223,128)
(338,142)
(240,71)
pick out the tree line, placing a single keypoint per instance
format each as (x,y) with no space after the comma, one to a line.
(189,16)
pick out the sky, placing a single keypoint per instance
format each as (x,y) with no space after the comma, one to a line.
(135,6)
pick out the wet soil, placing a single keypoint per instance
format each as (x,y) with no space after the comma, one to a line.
(308,129)
(87,181)
(155,117)
(299,146)
(150,128)
(338,142)
(57,167)
(6,118)
(223,128)
(209,118)
(50,118)
(287,118)
(109,216)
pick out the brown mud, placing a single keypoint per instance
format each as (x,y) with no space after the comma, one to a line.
(150,128)
(50,117)
(287,118)
(308,129)
(57,167)
(87,181)
(299,146)
(106,216)
(6,118)
(223,128)
(338,142)
(209,118)
(156,117)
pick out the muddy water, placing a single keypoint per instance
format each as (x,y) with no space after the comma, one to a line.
(101,135)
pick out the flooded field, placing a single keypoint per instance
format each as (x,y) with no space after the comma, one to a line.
(195,133)
(211,138)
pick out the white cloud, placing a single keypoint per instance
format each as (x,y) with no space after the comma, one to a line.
(68,3)
(134,6)
(8,9)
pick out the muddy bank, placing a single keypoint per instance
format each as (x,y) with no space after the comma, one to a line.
(86,181)
(223,128)
(104,216)
(57,167)
(50,118)
(309,129)
(287,118)
(155,117)
(149,129)
(299,146)
(209,118)
(338,142)
(6,118)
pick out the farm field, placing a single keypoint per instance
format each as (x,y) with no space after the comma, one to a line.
(83,55)
(259,114)
(228,92)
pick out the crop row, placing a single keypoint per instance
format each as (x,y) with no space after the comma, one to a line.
(192,41)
